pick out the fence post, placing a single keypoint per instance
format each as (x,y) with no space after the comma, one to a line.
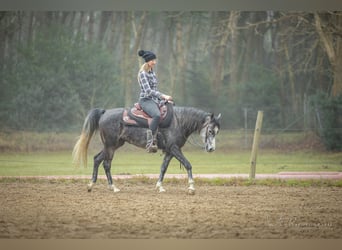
(246,127)
(256,144)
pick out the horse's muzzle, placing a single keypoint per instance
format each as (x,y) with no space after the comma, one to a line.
(209,148)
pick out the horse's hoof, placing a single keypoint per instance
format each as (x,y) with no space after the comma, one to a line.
(90,186)
(114,188)
(191,191)
(160,189)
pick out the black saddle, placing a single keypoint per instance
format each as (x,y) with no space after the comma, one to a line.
(136,116)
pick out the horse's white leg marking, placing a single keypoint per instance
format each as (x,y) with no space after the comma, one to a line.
(90,186)
(191,189)
(160,187)
(114,188)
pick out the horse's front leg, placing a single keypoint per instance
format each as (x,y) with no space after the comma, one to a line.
(163,168)
(176,151)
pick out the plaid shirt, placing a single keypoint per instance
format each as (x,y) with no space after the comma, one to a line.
(148,86)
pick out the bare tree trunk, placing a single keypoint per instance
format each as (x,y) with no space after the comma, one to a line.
(47,18)
(291,80)
(133,58)
(282,93)
(233,60)
(125,72)
(91,26)
(220,52)
(139,32)
(10,34)
(334,52)
(112,37)
(226,30)
(105,18)
(3,39)
(30,33)
(80,24)
(337,85)
(170,34)
(249,48)
(180,62)
(64,16)
(72,19)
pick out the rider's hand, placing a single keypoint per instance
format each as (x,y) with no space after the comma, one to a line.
(167,97)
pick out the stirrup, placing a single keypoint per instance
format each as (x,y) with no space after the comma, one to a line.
(151,147)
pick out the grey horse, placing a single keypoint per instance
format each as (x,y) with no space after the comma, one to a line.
(114,133)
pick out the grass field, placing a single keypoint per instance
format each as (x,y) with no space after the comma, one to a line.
(139,162)
(30,154)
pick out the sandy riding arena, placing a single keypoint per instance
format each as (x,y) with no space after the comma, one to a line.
(64,209)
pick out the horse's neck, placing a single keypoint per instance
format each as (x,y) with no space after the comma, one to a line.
(190,119)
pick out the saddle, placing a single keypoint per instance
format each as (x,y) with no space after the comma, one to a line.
(136,116)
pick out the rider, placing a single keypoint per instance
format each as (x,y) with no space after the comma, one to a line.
(150,98)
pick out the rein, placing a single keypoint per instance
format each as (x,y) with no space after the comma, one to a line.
(194,142)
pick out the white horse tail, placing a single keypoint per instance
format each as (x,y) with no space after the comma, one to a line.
(90,126)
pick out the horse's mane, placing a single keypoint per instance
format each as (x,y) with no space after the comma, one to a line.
(190,119)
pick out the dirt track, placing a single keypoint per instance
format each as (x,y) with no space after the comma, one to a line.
(57,209)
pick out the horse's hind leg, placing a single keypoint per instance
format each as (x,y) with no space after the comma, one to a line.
(107,166)
(97,161)
(163,168)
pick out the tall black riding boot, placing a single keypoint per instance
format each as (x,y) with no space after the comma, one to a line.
(151,146)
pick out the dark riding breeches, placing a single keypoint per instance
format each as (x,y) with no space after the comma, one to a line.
(152,109)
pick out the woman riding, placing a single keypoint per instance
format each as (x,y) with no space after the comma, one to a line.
(150,98)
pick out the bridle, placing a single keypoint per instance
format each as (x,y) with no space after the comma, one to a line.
(209,135)
(207,131)
(194,142)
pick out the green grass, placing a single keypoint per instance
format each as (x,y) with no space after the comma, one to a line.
(30,154)
(136,161)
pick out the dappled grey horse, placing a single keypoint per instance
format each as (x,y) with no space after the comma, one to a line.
(114,133)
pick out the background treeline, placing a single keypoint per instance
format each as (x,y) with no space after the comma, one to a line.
(55,66)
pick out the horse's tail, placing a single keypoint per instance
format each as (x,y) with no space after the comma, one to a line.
(90,126)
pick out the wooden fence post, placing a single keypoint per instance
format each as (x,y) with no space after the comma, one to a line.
(256,144)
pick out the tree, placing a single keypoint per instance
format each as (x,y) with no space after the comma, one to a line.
(330,33)
(104,22)
(221,57)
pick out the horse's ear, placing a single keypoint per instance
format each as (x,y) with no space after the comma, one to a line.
(218,117)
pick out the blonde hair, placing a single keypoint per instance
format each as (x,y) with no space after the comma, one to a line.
(143,67)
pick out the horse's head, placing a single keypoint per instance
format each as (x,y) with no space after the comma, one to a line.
(209,131)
